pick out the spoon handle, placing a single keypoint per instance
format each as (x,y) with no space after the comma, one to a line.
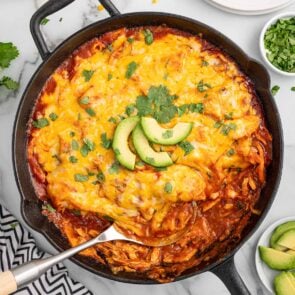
(29,272)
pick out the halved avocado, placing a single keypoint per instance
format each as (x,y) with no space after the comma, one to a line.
(120,142)
(284,284)
(287,239)
(277,259)
(157,134)
(145,151)
(278,232)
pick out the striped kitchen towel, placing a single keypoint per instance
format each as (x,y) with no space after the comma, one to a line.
(17,246)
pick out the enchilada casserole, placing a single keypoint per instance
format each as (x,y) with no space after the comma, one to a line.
(167,77)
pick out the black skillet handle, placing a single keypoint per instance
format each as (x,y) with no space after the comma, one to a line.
(227,272)
(50,7)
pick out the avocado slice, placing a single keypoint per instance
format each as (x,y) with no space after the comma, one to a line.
(284,284)
(120,142)
(287,239)
(276,259)
(291,252)
(157,134)
(278,232)
(145,151)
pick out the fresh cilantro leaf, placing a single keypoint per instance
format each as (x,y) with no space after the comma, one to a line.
(218,124)
(130,40)
(114,169)
(230,152)
(8,52)
(73,159)
(226,128)
(80,177)
(90,144)
(110,76)
(129,110)
(87,74)
(144,105)
(84,150)
(168,188)
(105,141)
(100,177)
(9,83)
(228,116)
(84,100)
(186,146)
(90,112)
(148,36)
(167,134)
(202,87)
(48,208)
(40,123)
(53,116)
(44,21)
(275,89)
(160,168)
(113,120)
(72,133)
(75,145)
(204,63)
(131,68)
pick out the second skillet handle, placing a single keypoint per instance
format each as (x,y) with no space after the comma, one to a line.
(227,272)
(50,7)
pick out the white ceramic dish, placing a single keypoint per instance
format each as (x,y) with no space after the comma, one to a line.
(250,7)
(261,41)
(266,274)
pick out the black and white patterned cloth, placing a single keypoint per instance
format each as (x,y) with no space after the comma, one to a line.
(17,246)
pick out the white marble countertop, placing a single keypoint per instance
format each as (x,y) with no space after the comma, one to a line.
(244,30)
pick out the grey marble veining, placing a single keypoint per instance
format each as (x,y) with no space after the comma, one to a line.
(14,26)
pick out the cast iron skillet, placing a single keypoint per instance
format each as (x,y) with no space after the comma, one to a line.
(224,268)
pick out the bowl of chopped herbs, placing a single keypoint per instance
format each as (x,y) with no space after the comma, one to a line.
(277,43)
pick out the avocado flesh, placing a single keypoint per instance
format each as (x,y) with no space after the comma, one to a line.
(287,239)
(284,284)
(120,142)
(145,151)
(157,134)
(278,232)
(291,252)
(276,259)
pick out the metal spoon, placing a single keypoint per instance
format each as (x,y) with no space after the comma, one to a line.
(22,275)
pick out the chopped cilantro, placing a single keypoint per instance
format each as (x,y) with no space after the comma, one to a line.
(53,116)
(168,188)
(131,68)
(148,36)
(293,88)
(110,76)
(105,141)
(130,40)
(114,169)
(129,109)
(117,152)
(8,52)
(217,124)
(192,107)
(80,177)
(90,112)
(204,63)
(40,123)
(113,120)
(84,150)
(230,152)
(160,168)
(90,173)
(90,144)
(9,83)
(144,105)
(186,146)
(167,134)
(75,145)
(279,42)
(100,177)
(72,133)
(73,159)
(84,100)
(228,116)
(202,87)
(87,74)
(48,208)
(226,128)
(44,21)
(275,89)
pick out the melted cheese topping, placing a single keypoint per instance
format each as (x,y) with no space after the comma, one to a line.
(138,198)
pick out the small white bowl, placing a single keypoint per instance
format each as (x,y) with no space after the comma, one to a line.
(265,273)
(261,41)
